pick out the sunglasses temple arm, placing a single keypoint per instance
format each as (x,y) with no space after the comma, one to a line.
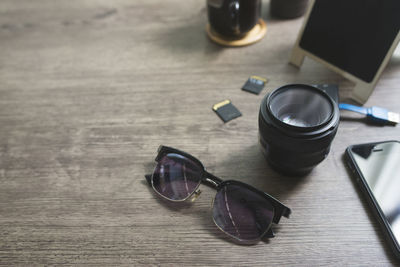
(285,211)
(280,209)
(148,178)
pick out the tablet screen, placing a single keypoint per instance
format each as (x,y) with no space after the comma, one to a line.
(353,35)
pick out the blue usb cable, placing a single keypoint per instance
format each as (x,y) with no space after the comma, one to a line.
(375,114)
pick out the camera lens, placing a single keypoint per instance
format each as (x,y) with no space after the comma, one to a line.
(298,107)
(297,124)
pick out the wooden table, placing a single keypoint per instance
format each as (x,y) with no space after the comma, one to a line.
(90,89)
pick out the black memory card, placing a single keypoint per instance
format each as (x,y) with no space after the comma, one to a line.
(226,110)
(254,84)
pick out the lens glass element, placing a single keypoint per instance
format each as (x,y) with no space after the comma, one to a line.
(176,177)
(242,213)
(300,107)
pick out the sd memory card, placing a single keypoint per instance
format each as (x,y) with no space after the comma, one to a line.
(226,110)
(254,84)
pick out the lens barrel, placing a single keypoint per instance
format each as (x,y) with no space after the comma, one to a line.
(297,124)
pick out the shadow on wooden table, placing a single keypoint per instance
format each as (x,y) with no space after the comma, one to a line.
(257,172)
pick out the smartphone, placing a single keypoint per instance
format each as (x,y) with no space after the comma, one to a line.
(376,167)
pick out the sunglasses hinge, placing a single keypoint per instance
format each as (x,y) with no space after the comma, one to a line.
(195,195)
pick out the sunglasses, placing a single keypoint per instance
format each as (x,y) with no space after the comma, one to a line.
(239,210)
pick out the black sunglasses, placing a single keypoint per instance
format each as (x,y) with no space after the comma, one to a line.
(239,210)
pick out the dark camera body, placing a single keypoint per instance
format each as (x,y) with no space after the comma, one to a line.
(295,147)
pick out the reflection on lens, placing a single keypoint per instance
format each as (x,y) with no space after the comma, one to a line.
(242,213)
(300,107)
(176,177)
(291,120)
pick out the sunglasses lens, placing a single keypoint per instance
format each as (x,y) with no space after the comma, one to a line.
(176,177)
(242,213)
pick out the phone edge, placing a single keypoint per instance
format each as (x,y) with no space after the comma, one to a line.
(376,210)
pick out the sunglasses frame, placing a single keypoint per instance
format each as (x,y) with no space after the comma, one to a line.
(217,183)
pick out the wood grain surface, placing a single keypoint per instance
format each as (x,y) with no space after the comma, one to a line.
(90,89)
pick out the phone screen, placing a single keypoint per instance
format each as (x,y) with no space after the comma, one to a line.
(380,167)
